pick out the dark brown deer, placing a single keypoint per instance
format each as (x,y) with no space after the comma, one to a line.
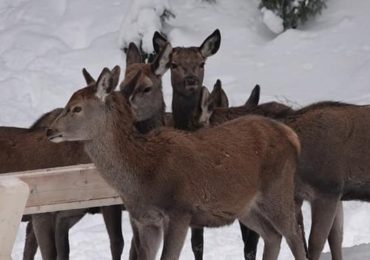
(187,73)
(28,149)
(333,163)
(170,176)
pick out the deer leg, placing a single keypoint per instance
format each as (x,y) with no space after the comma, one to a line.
(295,240)
(270,236)
(197,242)
(30,246)
(299,216)
(43,226)
(335,238)
(146,239)
(64,221)
(250,239)
(113,222)
(284,220)
(323,213)
(174,236)
(135,241)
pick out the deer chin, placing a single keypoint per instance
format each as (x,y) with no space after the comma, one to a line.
(191,88)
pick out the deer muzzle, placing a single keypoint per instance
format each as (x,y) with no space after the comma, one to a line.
(54,135)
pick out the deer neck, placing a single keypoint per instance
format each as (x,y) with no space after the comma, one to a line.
(121,153)
(183,108)
(154,122)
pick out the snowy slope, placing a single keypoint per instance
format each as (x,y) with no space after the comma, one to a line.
(44,45)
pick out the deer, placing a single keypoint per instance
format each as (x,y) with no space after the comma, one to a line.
(31,245)
(21,150)
(187,72)
(112,214)
(147,102)
(25,149)
(169,176)
(329,173)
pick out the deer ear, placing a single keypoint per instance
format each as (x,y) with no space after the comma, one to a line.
(128,86)
(204,98)
(104,85)
(115,74)
(218,96)
(161,63)
(254,98)
(88,78)
(159,42)
(205,107)
(133,54)
(211,45)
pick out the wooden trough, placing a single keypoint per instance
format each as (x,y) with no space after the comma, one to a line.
(48,190)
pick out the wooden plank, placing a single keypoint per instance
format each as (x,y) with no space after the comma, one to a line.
(62,188)
(13,197)
(74,205)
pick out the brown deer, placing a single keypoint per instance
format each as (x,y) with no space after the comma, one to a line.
(146,100)
(57,224)
(187,73)
(153,117)
(147,104)
(209,178)
(333,163)
(28,149)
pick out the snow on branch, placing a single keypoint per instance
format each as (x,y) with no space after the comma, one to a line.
(142,19)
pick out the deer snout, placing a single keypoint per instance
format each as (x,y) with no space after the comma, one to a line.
(54,135)
(191,83)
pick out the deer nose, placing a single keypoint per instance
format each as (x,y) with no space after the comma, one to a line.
(49,132)
(191,81)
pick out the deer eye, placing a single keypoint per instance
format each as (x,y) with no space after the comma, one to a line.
(174,66)
(147,89)
(76,109)
(202,65)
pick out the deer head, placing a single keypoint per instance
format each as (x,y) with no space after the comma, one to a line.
(84,109)
(144,90)
(209,101)
(187,64)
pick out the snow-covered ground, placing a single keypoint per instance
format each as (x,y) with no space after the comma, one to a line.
(44,45)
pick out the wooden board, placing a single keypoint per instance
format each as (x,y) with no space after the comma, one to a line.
(63,188)
(13,197)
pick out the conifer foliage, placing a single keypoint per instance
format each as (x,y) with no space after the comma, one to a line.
(294,12)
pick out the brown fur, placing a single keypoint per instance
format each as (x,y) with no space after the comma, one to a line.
(187,73)
(335,142)
(208,178)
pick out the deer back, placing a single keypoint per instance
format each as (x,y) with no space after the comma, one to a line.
(25,149)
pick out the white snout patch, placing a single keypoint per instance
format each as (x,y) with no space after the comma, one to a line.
(56,139)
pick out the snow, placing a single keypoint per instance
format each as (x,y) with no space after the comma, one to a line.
(45,44)
(272,21)
(142,19)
